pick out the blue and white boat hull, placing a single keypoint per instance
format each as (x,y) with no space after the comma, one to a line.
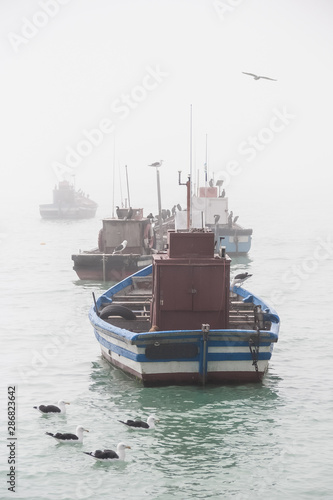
(187,356)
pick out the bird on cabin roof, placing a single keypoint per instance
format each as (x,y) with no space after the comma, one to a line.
(130,213)
(120,247)
(257,77)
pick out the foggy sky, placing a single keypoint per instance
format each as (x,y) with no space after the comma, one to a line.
(80,76)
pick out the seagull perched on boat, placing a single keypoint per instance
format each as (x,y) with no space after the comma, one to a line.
(156,164)
(236,218)
(108,455)
(68,437)
(216,218)
(120,247)
(47,409)
(130,213)
(150,424)
(239,279)
(257,77)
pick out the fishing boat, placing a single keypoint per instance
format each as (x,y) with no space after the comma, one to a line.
(213,203)
(68,204)
(125,245)
(210,209)
(180,321)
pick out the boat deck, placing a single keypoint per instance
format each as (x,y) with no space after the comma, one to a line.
(137,298)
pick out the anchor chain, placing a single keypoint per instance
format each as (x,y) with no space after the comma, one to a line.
(254,350)
(254,344)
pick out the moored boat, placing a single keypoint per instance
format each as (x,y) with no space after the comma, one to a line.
(125,245)
(68,204)
(178,321)
(210,209)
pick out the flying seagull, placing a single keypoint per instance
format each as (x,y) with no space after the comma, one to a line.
(120,247)
(108,455)
(46,409)
(68,437)
(150,424)
(156,164)
(256,77)
(239,279)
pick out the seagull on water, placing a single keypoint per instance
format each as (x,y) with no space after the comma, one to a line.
(239,279)
(120,247)
(46,409)
(150,424)
(257,77)
(156,164)
(68,437)
(108,455)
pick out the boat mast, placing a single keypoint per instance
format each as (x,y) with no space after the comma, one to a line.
(189,216)
(160,221)
(113,173)
(128,193)
(206,175)
(206,162)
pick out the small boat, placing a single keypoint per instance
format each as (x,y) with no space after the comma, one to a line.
(68,204)
(125,245)
(179,320)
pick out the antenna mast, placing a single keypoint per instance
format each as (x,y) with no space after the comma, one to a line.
(191,181)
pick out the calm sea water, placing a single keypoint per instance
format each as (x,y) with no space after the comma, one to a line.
(272,440)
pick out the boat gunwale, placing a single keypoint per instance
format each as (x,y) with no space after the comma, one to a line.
(134,337)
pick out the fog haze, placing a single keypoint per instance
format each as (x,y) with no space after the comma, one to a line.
(136,69)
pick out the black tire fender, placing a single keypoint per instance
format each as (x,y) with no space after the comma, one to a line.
(117,310)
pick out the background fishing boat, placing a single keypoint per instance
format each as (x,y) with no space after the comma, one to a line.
(210,209)
(68,204)
(213,202)
(125,245)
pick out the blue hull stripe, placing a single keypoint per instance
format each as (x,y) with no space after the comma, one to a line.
(196,339)
(141,358)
